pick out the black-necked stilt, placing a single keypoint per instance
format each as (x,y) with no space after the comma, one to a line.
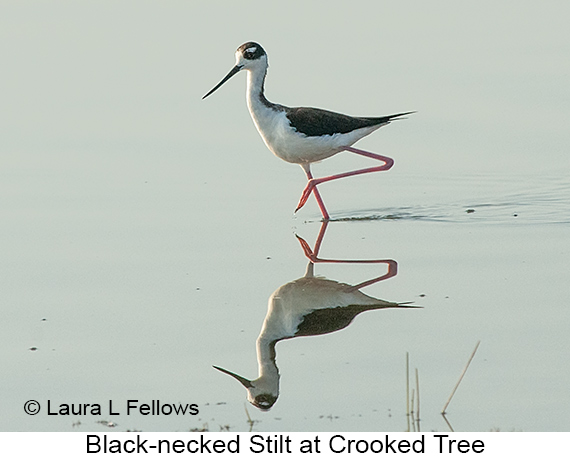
(303,135)
(308,306)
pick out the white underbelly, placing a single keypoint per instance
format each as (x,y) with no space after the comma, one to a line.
(295,147)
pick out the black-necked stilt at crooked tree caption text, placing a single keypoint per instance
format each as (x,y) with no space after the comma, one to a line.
(303,135)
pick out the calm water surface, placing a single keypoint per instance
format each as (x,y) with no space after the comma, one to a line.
(133,299)
(144,230)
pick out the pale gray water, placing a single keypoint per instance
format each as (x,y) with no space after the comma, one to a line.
(149,228)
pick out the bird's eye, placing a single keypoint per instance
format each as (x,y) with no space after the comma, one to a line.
(249,53)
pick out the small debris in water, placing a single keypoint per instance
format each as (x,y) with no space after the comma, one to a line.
(422,295)
(107,423)
(33,348)
(470,210)
(515,215)
(204,428)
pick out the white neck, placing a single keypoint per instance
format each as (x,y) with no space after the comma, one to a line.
(255,81)
(267,366)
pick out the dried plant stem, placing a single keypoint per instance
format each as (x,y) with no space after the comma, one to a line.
(412,412)
(447,422)
(418,400)
(250,421)
(460,378)
(408,389)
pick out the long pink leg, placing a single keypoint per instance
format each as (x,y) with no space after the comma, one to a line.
(324,212)
(313,182)
(312,255)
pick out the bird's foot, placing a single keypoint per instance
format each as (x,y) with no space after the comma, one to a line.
(306,194)
(307,249)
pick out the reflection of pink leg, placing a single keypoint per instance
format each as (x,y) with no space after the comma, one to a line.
(312,255)
(313,182)
(392,271)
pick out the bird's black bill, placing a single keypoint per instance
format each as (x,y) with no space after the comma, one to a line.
(245,382)
(232,72)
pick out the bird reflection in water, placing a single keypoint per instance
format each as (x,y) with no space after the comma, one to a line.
(308,306)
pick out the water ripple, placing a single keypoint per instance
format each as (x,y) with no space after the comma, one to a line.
(520,200)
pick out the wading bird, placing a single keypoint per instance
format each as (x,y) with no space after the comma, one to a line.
(303,135)
(308,306)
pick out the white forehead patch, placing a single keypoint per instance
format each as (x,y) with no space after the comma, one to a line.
(252,49)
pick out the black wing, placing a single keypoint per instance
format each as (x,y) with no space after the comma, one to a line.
(328,320)
(318,122)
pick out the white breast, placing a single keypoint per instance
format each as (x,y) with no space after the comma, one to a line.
(288,144)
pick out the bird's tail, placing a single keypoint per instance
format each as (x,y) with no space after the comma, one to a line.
(383,120)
